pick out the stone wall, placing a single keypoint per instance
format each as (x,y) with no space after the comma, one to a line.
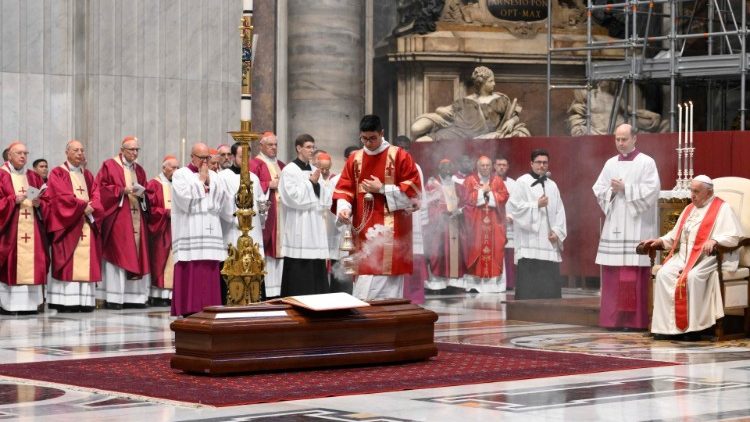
(98,70)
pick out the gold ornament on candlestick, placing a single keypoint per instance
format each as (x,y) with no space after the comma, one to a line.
(244,267)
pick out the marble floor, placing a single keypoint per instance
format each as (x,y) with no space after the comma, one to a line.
(711,383)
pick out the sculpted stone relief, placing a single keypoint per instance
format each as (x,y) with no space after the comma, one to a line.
(602,100)
(483,115)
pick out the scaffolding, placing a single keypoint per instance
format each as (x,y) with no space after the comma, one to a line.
(725,56)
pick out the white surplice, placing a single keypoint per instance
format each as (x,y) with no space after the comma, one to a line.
(704,295)
(334,230)
(530,222)
(630,216)
(196,222)
(510,184)
(229,226)
(304,235)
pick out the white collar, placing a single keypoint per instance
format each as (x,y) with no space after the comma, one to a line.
(380,149)
(13,169)
(71,167)
(163,178)
(264,157)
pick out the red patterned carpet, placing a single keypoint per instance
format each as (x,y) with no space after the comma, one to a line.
(150,375)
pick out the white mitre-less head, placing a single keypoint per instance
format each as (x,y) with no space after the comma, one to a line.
(704,179)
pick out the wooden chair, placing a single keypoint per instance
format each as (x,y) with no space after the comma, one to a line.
(734,285)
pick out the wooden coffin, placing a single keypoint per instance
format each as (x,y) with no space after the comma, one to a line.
(266,337)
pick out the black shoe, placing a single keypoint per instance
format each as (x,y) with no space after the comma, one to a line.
(113,306)
(662,337)
(86,309)
(134,306)
(54,306)
(155,301)
(692,336)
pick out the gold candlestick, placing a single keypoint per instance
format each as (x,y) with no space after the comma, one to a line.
(244,267)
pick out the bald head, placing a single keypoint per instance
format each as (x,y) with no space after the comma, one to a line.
(75,153)
(625,139)
(484,166)
(199,154)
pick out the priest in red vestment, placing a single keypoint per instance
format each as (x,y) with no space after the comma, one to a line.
(383,224)
(24,263)
(122,186)
(159,194)
(268,169)
(485,196)
(443,239)
(74,216)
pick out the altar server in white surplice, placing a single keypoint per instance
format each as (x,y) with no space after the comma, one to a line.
(627,191)
(687,296)
(197,243)
(304,237)
(230,178)
(540,230)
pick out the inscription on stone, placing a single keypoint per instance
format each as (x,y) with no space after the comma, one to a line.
(518,10)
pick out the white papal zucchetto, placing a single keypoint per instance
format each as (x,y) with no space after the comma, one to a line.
(704,179)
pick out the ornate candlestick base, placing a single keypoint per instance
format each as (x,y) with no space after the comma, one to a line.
(244,267)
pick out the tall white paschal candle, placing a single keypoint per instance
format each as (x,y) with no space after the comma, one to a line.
(183,150)
(246,108)
(247,4)
(679,146)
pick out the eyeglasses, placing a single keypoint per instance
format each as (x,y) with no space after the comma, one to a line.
(369,138)
(544,163)
(202,158)
(21,153)
(132,149)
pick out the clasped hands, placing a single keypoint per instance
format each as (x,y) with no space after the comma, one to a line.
(21,197)
(617,185)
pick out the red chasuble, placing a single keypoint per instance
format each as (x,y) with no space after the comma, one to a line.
(123,227)
(704,234)
(393,166)
(272,231)
(443,239)
(160,233)
(485,228)
(76,247)
(22,237)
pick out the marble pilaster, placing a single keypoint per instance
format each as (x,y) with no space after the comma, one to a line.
(98,70)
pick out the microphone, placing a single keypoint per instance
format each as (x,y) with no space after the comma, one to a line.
(543,178)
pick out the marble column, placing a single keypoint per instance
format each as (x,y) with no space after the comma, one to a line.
(325,73)
(264,66)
